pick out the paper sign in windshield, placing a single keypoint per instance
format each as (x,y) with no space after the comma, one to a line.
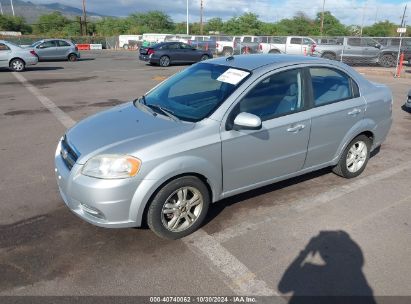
(233,76)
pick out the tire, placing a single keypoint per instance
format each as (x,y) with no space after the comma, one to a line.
(164,61)
(168,215)
(204,57)
(17,65)
(329,56)
(227,52)
(386,61)
(125,46)
(274,52)
(72,57)
(354,158)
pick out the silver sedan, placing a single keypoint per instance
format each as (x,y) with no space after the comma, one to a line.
(16,58)
(216,129)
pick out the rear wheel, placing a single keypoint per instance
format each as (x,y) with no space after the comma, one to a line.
(354,158)
(125,46)
(274,52)
(72,57)
(227,52)
(17,65)
(329,56)
(164,61)
(204,57)
(179,208)
(387,61)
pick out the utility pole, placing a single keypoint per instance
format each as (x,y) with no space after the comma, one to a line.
(187,18)
(362,19)
(201,17)
(85,16)
(322,19)
(1,9)
(12,7)
(399,48)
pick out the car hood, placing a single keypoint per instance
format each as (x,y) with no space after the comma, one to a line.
(121,130)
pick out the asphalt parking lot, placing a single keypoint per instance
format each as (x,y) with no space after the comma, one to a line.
(355,234)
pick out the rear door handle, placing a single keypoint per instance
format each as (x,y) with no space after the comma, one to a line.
(354,112)
(296,128)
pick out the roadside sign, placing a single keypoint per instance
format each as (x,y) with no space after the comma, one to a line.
(401,30)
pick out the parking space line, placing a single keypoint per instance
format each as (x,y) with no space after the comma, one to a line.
(242,280)
(64,119)
(308,203)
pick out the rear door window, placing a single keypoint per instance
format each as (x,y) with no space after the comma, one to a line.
(296,40)
(47,44)
(354,41)
(62,43)
(331,85)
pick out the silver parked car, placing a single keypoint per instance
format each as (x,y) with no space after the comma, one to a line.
(216,129)
(408,101)
(14,57)
(56,49)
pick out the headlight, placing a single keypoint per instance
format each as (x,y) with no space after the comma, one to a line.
(112,166)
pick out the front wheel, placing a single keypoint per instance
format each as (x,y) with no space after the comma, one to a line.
(17,65)
(387,61)
(164,61)
(354,158)
(179,208)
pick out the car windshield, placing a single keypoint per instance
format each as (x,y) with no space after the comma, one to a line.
(196,92)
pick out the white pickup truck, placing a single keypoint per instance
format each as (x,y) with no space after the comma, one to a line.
(228,46)
(295,45)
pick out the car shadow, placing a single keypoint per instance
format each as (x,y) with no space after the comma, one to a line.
(43,68)
(327,270)
(405,109)
(217,208)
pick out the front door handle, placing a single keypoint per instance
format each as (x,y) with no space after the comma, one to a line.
(354,112)
(296,128)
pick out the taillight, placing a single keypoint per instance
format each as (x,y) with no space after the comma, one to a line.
(313,48)
(260,46)
(150,51)
(33,53)
(76,48)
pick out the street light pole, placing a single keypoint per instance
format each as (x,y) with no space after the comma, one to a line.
(1,9)
(187,18)
(12,7)
(322,19)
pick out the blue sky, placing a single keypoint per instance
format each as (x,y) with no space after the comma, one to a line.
(348,11)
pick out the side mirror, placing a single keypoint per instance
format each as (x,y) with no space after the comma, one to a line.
(378,46)
(247,121)
(41,46)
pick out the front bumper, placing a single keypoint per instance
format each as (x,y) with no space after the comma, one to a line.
(115,203)
(31,60)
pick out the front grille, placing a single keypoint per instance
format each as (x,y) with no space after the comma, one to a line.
(68,154)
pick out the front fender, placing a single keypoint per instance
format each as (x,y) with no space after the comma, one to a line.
(167,171)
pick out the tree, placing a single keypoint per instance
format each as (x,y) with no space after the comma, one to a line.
(331,26)
(381,29)
(16,24)
(247,24)
(52,24)
(214,25)
(152,21)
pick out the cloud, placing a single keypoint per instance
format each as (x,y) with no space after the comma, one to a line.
(347,11)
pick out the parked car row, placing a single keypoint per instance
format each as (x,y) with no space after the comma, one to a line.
(363,50)
(16,58)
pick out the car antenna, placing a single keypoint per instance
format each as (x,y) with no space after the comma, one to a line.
(230,58)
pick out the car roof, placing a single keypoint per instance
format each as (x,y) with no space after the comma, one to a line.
(255,61)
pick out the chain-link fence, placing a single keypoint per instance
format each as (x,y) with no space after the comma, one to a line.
(383,51)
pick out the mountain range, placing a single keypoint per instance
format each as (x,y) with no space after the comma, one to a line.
(31,11)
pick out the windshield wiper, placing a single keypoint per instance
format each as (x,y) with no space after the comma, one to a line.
(165,111)
(141,104)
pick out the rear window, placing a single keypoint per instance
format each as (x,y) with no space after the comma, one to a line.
(4,47)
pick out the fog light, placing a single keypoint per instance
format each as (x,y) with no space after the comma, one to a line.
(92,211)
